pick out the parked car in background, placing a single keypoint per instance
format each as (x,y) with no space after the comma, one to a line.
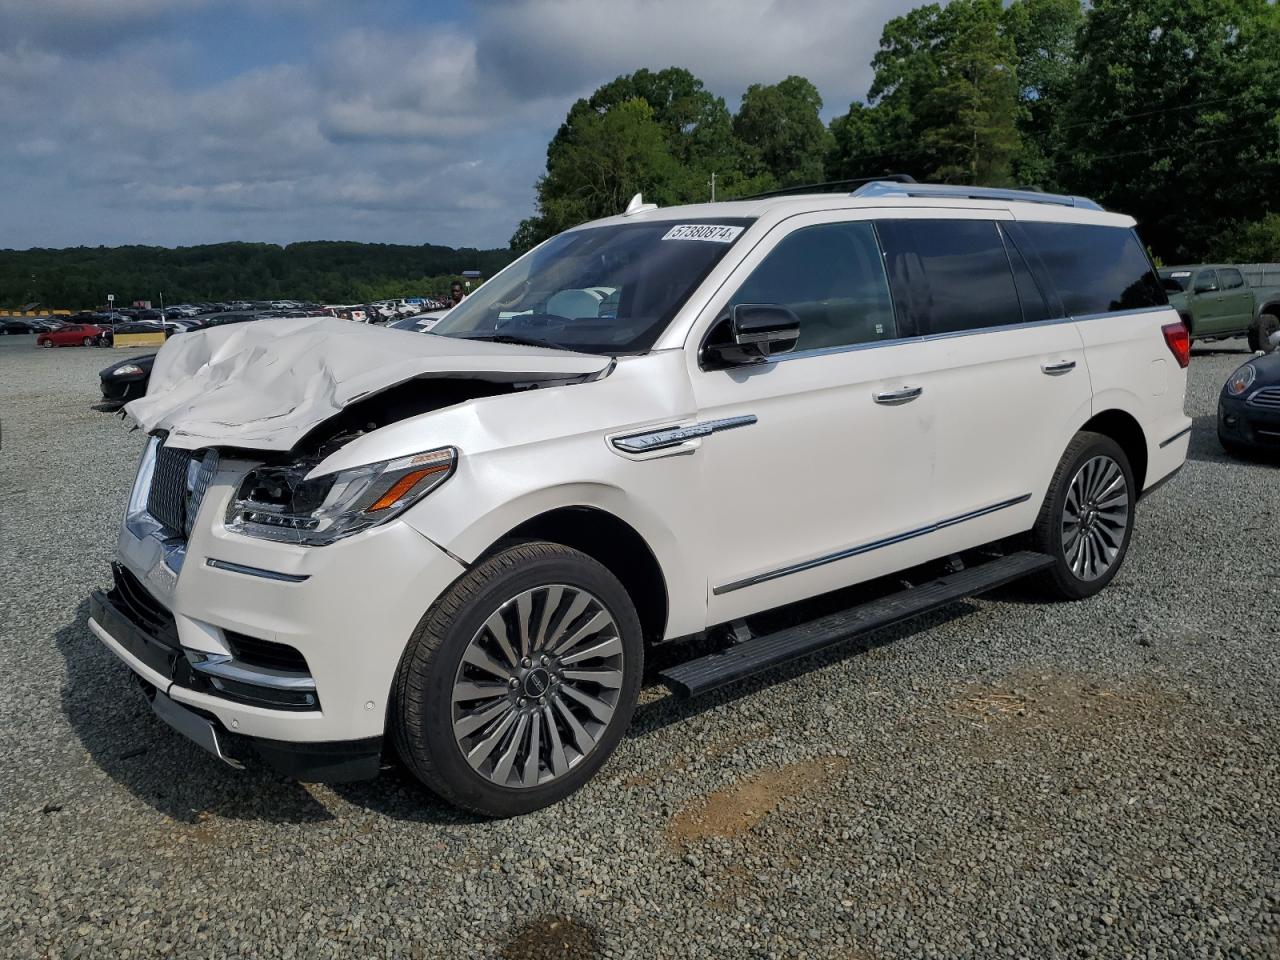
(72,335)
(1217,301)
(11,327)
(420,323)
(109,333)
(126,380)
(222,319)
(650,427)
(1249,406)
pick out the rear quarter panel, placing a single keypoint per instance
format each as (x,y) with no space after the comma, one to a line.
(1132,369)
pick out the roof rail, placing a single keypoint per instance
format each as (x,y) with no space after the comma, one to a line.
(885,188)
(832,186)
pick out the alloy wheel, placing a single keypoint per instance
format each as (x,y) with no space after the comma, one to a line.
(1095,517)
(537,686)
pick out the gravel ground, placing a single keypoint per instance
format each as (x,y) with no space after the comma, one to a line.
(1006,778)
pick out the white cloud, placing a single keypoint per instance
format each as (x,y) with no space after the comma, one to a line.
(561,46)
(355,126)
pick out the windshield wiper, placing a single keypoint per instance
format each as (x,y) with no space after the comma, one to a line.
(517,339)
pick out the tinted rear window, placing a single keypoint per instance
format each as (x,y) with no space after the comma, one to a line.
(949,275)
(1095,269)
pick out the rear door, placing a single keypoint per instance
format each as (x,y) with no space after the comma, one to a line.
(1010,384)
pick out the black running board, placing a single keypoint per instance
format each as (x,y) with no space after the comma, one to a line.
(762,653)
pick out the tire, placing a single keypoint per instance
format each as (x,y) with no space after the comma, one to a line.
(47,343)
(432,725)
(1260,331)
(1087,474)
(88,341)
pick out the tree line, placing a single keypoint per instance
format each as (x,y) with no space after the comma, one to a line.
(321,271)
(1168,110)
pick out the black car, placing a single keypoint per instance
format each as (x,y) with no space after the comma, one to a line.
(126,379)
(1249,408)
(16,326)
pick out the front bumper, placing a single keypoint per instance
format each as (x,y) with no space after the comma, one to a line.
(1249,424)
(120,389)
(343,613)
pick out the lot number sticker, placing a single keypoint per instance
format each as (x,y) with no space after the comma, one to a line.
(716,233)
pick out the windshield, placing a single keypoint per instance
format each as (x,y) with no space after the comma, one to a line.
(600,290)
(1175,281)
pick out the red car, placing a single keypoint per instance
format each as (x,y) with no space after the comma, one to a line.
(71,335)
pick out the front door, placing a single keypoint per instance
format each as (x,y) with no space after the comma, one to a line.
(830,459)
(1210,307)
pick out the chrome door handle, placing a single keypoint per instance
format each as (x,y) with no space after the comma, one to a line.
(891,398)
(1059,368)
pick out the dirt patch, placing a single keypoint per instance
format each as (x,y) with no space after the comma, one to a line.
(1060,701)
(553,938)
(739,808)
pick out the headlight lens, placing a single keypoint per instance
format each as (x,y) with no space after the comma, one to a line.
(1242,380)
(281,503)
(128,370)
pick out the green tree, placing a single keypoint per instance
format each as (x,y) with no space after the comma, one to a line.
(1043,33)
(944,104)
(1175,116)
(780,125)
(1255,242)
(695,128)
(606,159)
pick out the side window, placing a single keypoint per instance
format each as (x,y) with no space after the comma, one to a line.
(1095,269)
(832,277)
(1231,279)
(1206,280)
(950,275)
(1035,305)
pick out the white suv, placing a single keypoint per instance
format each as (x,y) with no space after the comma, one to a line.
(463,543)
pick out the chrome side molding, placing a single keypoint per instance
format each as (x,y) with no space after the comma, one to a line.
(674,436)
(867,547)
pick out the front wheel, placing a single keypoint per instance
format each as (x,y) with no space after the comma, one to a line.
(1086,519)
(1263,328)
(88,341)
(520,680)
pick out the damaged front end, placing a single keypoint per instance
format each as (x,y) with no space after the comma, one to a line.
(294,385)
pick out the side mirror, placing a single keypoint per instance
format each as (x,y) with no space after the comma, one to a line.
(752,333)
(1206,286)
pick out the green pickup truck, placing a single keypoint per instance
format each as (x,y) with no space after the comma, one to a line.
(1219,300)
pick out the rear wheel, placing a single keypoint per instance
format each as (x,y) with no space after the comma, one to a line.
(1086,519)
(1263,328)
(520,681)
(46,343)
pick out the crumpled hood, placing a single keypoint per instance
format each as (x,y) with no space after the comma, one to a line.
(263,385)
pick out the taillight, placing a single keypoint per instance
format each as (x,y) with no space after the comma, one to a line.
(1179,342)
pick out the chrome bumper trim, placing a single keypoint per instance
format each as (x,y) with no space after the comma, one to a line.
(257,571)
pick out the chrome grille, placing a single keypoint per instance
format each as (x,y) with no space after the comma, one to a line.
(1268,397)
(167,499)
(204,475)
(178,484)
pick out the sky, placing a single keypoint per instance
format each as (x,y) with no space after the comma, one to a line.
(177,122)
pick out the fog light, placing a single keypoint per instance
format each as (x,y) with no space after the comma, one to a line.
(1230,419)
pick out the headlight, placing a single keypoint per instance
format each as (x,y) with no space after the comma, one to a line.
(1242,380)
(128,370)
(280,503)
